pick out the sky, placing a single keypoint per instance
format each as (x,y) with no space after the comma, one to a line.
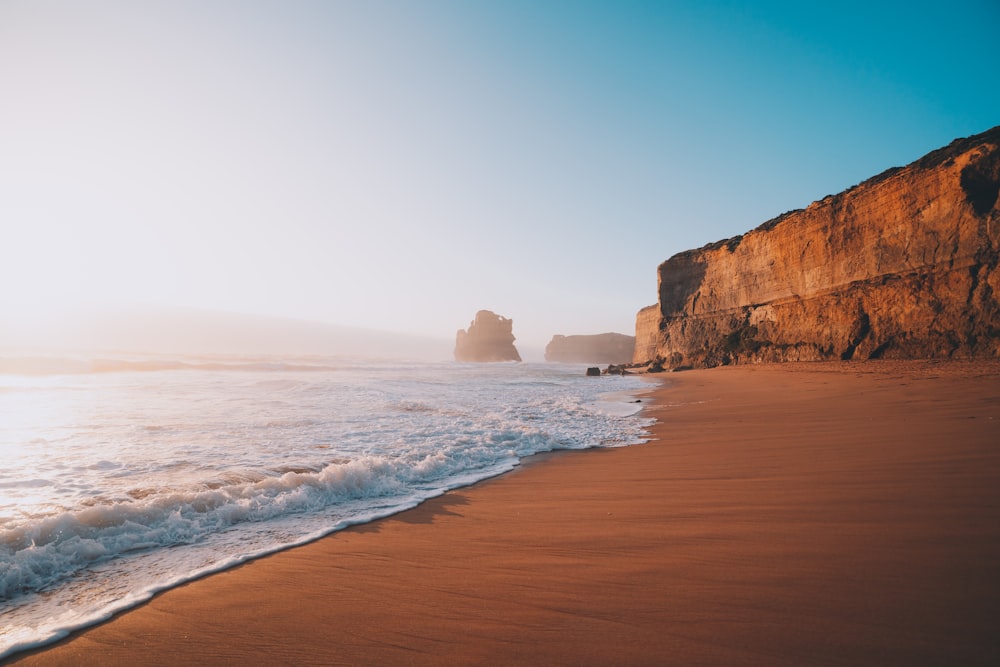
(400,165)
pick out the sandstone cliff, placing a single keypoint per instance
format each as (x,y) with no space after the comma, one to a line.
(606,348)
(904,265)
(489,338)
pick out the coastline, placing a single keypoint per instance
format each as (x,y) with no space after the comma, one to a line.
(804,513)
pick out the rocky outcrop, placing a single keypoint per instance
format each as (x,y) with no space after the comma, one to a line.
(489,338)
(606,348)
(904,265)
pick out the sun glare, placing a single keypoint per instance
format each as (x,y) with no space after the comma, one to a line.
(30,422)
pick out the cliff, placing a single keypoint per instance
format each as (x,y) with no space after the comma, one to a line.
(490,338)
(904,265)
(606,348)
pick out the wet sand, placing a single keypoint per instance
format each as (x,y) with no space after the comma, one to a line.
(783,515)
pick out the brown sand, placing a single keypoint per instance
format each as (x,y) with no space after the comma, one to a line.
(801,514)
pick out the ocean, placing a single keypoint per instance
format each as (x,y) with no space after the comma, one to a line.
(124,476)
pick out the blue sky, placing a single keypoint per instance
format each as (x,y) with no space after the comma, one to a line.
(401,165)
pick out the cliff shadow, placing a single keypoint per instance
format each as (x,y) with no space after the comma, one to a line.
(681,277)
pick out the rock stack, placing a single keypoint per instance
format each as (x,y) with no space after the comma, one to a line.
(607,348)
(490,337)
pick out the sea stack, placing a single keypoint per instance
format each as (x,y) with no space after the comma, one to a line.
(902,266)
(490,338)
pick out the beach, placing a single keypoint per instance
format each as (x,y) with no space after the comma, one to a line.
(833,513)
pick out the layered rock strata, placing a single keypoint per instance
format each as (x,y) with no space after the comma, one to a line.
(606,348)
(904,265)
(490,337)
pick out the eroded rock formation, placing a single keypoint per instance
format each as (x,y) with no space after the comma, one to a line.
(606,348)
(489,338)
(904,265)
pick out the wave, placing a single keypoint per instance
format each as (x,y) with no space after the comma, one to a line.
(41,553)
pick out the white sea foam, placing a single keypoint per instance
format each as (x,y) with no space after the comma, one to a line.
(114,485)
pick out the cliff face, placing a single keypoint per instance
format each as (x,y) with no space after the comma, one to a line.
(904,265)
(489,338)
(607,348)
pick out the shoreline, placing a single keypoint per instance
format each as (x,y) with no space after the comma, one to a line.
(761,524)
(618,402)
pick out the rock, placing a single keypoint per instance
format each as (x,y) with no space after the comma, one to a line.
(489,338)
(904,265)
(606,348)
(593,371)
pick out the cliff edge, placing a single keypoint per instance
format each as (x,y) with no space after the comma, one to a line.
(903,265)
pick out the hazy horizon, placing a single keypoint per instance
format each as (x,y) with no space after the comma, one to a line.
(193,332)
(216,334)
(397,166)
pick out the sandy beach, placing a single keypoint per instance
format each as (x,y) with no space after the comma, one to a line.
(842,513)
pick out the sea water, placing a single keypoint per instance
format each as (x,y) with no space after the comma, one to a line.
(123,477)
